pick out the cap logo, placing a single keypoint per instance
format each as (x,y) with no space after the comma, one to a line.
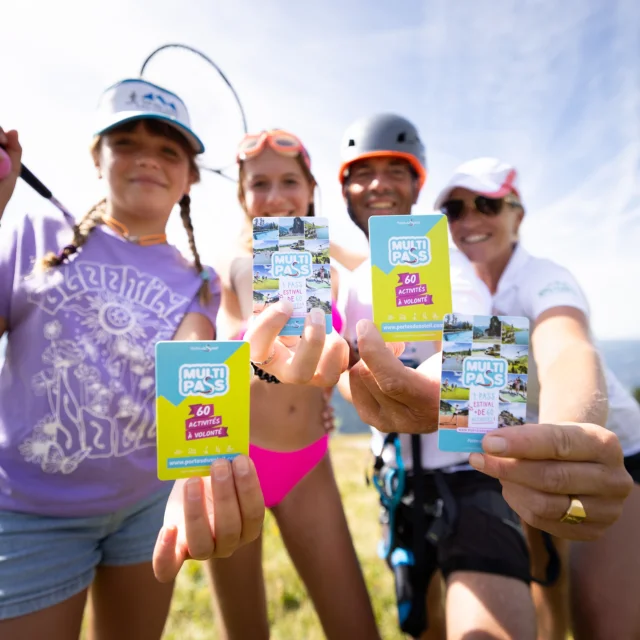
(152,102)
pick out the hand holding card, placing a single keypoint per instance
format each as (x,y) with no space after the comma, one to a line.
(485,364)
(209,518)
(291,262)
(410,276)
(315,358)
(202,405)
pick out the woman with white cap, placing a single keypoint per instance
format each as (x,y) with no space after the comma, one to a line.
(484,209)
(80,502)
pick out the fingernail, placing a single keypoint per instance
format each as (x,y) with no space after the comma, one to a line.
(286,306)
(494,444)
(221,469)
(361,329)
(241,466)
(317,316)
(194,491)
(167,534)
(476,460)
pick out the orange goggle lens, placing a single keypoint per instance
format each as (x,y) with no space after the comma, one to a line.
(280,141)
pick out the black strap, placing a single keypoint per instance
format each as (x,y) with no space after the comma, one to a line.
(263,375)
(445,525)
(417,622)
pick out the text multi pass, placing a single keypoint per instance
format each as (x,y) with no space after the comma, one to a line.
(485,365)
(202,405)
(204,380)
(410,276)
(291,261)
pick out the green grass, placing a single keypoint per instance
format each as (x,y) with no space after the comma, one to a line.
(519,365)
(321,257)
(459,393)
(269,283)
(291,613)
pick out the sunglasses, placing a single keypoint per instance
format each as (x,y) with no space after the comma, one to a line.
(281,142)
(454,209)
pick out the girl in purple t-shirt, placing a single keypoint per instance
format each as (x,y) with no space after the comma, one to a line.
(83,307)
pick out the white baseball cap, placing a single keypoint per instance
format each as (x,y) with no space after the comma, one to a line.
(137,99)
(487,176)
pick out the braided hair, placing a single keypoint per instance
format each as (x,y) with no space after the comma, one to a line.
(204,294)
(81,231)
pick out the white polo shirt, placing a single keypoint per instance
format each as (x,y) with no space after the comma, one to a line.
(530,286)
(354,303)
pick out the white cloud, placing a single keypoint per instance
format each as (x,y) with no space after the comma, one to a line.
(552,87)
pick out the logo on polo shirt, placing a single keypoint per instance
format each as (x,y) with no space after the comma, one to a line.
(558,286)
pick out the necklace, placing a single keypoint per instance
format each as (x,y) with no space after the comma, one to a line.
(143,241)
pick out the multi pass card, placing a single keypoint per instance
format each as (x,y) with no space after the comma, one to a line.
(291,261)
(202,405)
(485,365)
(410,276)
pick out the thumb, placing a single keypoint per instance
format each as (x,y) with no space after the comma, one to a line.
(168,555)
(431,368)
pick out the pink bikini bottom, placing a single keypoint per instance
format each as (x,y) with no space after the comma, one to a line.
(280,471)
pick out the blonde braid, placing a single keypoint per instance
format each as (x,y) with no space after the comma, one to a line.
(204,292)
(81,232)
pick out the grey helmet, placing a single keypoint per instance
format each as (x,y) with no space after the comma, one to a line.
(383,134)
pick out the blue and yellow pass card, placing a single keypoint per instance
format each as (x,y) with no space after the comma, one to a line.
(202,405)
(291,261)
(410,276)
(485,365)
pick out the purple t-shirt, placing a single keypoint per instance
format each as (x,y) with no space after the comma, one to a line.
(77,389)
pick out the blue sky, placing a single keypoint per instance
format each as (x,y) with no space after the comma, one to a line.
(551,86)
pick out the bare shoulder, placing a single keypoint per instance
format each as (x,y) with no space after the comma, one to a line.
(195,326)
(240,263)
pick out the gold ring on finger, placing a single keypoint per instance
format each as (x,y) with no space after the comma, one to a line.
(575,514)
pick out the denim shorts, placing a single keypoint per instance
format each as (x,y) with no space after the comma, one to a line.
(45,560)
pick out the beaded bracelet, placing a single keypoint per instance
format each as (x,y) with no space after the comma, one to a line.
(263,375)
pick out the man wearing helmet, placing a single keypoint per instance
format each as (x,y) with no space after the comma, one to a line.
(383,167)
(438,513)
